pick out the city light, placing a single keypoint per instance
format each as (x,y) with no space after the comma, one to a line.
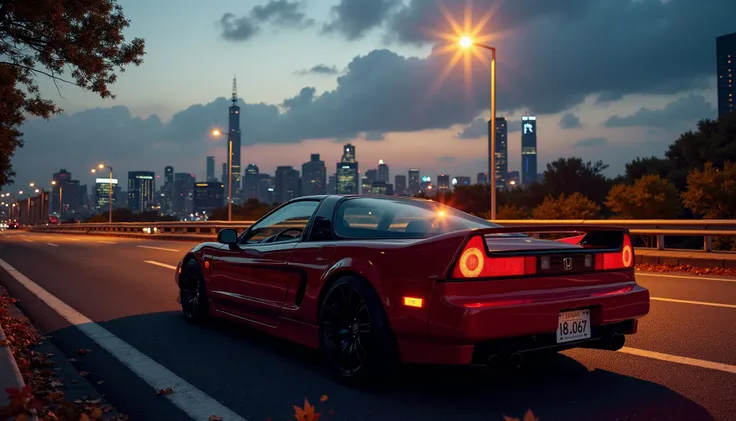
(466,42)
(216,133)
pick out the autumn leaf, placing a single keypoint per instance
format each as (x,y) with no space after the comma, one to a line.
(22,417)
(307,413)
(215,418)
(84,417)
(97,413)
(82,351)
(166,391)
(505,418)
(529,416)
(323,399)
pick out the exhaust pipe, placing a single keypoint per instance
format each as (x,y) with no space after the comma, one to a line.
(494,362)
(617,341)
(515,360)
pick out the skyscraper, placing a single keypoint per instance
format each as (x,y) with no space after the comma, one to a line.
(211,169)
(102,193)
(183,193)
(382,172)
(726,66)
(234,131)
(168,197)
(208,196)
(348,180)
(400,184)
(414,181)
(482,178)
(443,183)
(528,149)
(287,183)
(501,151)
(250,182)
(314,176)
(141,190)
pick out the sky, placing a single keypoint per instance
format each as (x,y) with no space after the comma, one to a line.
(607,79)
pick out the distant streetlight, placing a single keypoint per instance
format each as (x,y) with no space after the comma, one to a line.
(218,133)
(109,210)
(467,43)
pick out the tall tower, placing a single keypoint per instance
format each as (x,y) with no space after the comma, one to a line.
(234,132)
(528,149)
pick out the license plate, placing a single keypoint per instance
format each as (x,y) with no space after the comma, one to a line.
(573,325)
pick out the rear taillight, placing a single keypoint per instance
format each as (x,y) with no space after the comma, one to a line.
(474,263)
(623,259)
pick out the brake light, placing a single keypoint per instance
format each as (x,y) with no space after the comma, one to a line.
(623,259)
(474,263)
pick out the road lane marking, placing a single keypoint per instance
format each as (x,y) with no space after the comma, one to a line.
(106,242)
(53,245)
(163,265)
(189,399)
(157,248)
(702,303)
(680,360)
(692,278)
(27,240)
(73,239)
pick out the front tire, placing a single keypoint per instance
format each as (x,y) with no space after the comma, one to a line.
(193,294)
(356,341)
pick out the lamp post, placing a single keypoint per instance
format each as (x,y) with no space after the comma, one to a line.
(61,198)
(109,208)
(467,42)
(218,133)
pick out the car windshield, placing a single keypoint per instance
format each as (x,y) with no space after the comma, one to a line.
(364,217)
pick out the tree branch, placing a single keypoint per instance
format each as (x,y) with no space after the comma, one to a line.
(50,75)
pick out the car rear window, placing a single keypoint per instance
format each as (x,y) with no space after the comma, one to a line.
(365,217)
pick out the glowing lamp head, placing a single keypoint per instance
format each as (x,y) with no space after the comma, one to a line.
(101,166)
(216,133)
(466,42)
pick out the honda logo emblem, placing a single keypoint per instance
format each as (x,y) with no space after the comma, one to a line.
(567,263)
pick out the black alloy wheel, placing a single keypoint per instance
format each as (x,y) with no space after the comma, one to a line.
(355,339)
(193,295)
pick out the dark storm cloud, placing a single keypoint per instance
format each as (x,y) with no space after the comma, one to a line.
(479,128)
(683,110)
(553,54)
(374,136)
(354,18)
(304,98)
(320,69)
(591,142)
(570,121)
(280,13)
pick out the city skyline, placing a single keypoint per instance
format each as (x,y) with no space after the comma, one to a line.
(583,109)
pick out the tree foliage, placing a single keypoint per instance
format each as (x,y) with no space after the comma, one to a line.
(249,211)
(77,39)
(572,175)
(650,197)
(711,192)
(510,212)
(574,206)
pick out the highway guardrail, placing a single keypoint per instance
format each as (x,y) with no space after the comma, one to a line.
(656,228)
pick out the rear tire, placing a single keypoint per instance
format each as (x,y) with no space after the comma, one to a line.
(193,294)
(355,339)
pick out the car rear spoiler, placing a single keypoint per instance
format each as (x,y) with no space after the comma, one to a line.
(604,247)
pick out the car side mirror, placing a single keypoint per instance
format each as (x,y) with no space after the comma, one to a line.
(227,236)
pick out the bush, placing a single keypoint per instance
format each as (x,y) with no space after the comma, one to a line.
(575,206)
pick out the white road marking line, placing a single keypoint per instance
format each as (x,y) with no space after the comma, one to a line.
(680,360)
(692,278)
(186,397)
(163,265)
(53,245)
(702,303)
(157,248)
(106,242)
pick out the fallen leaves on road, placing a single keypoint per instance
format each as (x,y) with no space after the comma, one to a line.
(695,270)
(215,418)
(162,392)
(43,393)
(529,416)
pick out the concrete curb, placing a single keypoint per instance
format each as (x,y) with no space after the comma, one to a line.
(10,376)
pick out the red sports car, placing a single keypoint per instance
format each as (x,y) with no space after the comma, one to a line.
(370,281)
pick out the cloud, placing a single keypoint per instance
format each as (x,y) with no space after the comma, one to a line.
(551,62)
(320,69)
(683,110)
(475,130)
(374,136)
(591,142)
(446,159)
(354,18)
(280,13)
(570,121)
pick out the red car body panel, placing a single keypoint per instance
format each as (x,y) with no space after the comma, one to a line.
(279,290)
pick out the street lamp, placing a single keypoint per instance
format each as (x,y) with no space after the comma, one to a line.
(61,198)
(218,133)
(109,210)
(466,43)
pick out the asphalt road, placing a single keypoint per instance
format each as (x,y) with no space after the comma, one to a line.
(681,365)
